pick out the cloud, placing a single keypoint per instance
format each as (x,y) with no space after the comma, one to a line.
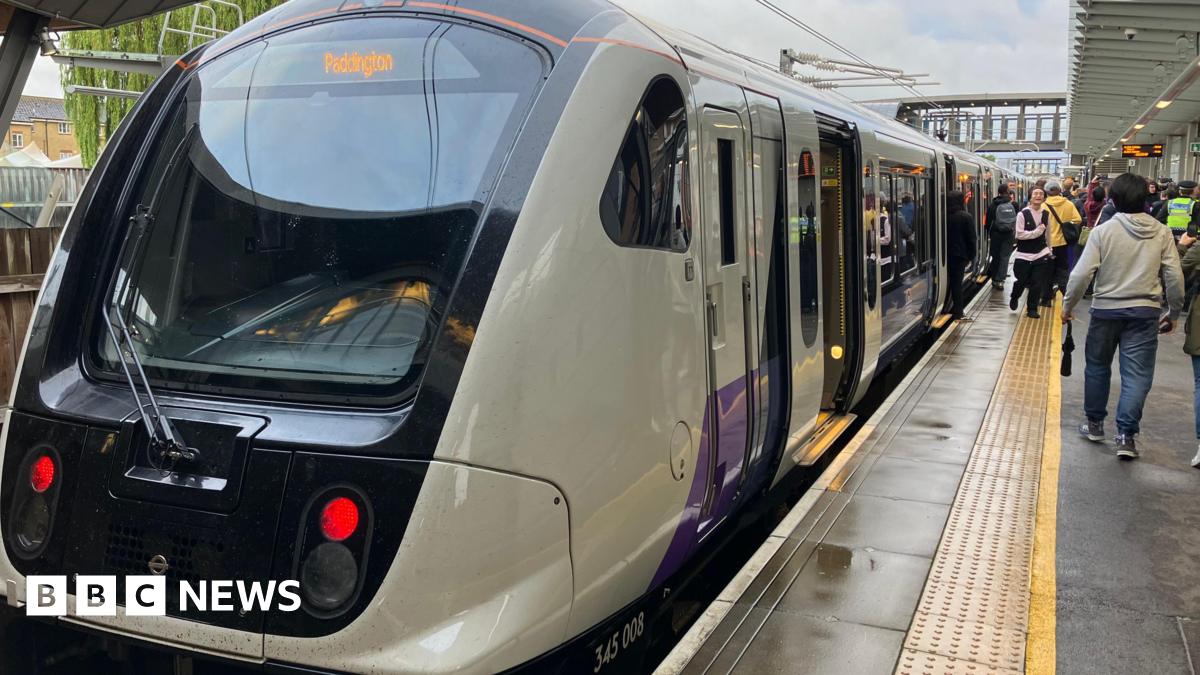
(44,79)
(970,46)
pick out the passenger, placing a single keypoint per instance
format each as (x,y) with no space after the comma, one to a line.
(1065,223)
(1191,345)
(1152,202)
(1095,205)
(1080,199)
(1034,259)
(1039,185)
(1001,225)
(961,243)
(1182,214)
(1128,256)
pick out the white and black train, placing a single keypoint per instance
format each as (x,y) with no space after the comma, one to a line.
(477,319)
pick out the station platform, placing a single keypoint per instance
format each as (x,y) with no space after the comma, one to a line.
(968,528)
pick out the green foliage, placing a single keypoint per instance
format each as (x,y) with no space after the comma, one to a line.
(94,117)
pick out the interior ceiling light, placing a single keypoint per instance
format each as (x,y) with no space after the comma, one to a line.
(1139,127)
(1163,105)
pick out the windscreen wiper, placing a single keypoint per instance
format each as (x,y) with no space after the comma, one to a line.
(165,444)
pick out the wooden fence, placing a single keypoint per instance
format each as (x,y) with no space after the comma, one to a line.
(24,256)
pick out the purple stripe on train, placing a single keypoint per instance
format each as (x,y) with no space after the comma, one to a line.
(732,403)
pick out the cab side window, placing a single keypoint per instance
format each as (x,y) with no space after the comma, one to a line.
(647,199)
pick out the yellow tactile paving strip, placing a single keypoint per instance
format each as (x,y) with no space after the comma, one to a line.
(974,611)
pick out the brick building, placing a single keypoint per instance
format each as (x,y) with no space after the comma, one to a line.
(42,121)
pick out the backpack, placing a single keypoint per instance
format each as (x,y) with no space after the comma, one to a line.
(1006,218)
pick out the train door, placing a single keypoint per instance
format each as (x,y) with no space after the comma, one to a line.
(769,267)
(724,210)
(842,280)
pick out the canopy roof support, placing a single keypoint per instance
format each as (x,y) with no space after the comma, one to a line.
(17,53)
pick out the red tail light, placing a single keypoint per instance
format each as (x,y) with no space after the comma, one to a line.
(339,519)
(41,474)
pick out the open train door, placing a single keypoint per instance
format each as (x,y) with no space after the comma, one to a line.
(842,275)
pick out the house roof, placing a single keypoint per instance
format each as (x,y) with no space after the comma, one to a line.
(40,108)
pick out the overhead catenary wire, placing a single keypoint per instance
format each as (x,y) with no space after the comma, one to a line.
(790,18)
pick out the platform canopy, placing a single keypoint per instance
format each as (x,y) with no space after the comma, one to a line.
(1135,73)
(80,14)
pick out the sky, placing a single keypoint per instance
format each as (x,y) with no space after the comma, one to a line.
(970,46)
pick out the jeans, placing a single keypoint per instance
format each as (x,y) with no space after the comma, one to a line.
(1196,374)
(1036,277)
(1138,340)
(1002,248)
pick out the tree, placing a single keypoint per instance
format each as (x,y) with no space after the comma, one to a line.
(91,115)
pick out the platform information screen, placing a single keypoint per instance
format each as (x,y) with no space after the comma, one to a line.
(1142,151)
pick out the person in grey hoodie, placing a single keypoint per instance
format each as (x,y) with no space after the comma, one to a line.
(1131,256)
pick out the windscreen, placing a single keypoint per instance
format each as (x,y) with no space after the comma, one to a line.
(310,202)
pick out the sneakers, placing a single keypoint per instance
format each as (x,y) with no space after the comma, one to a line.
(1126,447)
(1196,460)
(1012,302)
(1093,431)
(997,286)
(1033,314)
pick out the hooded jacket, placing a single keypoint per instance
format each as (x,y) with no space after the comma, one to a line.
(1066,213)
(1128,254)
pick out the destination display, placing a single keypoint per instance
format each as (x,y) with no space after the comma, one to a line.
(1142,151)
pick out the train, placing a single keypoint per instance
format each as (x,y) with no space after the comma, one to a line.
(476,319)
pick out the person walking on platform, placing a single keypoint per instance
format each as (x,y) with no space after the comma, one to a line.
(1131,256)
(1034,260)
(1191,345)
(1001,224)
(1181,214)
(961,245)
(1065,224)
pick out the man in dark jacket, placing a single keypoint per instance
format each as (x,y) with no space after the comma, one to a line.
(961,244)
(1001,224)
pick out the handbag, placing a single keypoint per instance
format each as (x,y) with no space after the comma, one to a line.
(1071,231)
(1083,236)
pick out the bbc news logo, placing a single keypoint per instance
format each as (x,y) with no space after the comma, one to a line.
(147,596)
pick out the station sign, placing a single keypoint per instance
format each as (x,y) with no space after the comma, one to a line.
(1196,148)
(1142,151)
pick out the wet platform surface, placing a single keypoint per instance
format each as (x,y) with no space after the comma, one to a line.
(1128,534)
(963,533)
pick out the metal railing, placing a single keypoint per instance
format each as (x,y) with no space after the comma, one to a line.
(204,24)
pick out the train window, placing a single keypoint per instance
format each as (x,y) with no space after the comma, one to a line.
(921,225)
(646,202)
(803,231)
(906,226)
(887,219)
(320,268)
(725,175)
(871,219)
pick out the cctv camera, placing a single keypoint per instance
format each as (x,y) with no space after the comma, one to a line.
(1131,33)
